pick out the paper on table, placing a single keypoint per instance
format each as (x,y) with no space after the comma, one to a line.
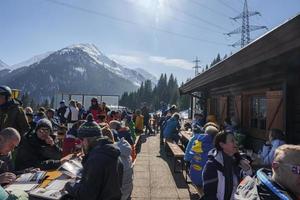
(21,186)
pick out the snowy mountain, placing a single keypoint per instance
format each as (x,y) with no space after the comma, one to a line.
(30,61)
(3,65)
(147,75)
(98,57)
(80,68)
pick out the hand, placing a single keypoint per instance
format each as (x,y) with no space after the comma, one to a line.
(32,170)
(49,141)
(245,164)
(7,177)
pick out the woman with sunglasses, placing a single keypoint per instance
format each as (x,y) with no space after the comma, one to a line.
(38,149)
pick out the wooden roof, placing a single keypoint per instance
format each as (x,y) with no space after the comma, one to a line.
(282,39)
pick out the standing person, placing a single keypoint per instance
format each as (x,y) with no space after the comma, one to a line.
(81,111)
(276,139)
(127,182)
(171,131)
(11,112)
(94,109)
(61,112)
(104,108)
(102,168)
(50,116)
(72,113)
(283,182)
(145,113)
(224,168)
(139,122)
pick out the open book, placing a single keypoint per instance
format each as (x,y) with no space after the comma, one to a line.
(72,168)
(27,181)
(54,190)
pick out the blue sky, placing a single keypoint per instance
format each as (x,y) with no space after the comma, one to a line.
(161,36)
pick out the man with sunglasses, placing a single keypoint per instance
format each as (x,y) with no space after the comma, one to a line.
(283,182)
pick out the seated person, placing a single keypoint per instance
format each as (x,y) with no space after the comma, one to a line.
(102,121)
(283,182)
(199,152)
(196,131)
(172,127)
(71,142)
(38,149)
(102,168)
(276,139)
(198,120)
(223,170)
(121,131)
(9,139)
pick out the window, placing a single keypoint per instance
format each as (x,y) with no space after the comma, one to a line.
(258,112)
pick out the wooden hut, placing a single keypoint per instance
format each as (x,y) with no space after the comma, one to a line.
(259,85)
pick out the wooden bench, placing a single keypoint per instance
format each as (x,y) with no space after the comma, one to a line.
(177,153)
(199,190)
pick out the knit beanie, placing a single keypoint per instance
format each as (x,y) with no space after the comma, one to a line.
(89,128)
(44,123)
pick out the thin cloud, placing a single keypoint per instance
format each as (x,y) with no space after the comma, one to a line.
(152,60)
(172,62)
(125,59)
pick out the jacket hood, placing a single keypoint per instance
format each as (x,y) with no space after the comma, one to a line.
(124,147)
(10,103)
(105,146)
(214,154)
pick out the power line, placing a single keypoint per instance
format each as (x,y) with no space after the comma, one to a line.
(197,18)
(212,10)
(228,6)
(182,21)
(89,11)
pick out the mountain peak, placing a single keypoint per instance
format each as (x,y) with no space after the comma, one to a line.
(3,65)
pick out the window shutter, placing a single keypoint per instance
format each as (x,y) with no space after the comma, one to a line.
(223,109)
(238,108)
(208,107)
(274,110)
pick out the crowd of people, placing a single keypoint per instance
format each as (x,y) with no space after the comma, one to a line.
(29,141)
(217,165)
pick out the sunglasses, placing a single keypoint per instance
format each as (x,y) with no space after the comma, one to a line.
(45,130)
(294,168)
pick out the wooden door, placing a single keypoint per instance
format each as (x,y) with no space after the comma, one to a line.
(275,110)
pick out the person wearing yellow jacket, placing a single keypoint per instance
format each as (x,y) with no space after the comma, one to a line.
(139,122)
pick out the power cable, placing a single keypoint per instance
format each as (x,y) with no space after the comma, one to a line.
(89,11)
(182,21)
(212,10)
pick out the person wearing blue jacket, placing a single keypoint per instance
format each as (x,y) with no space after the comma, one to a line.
(171,130)
(276,139)
(199,153)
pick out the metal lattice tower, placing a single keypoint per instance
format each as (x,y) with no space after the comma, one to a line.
(197,66)
(246,27)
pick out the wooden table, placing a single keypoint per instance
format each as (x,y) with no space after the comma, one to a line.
(186,135)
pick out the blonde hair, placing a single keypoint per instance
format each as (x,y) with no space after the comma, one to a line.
(287,152)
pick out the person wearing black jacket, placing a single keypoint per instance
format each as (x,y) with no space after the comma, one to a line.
(38,149)
(102,167)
